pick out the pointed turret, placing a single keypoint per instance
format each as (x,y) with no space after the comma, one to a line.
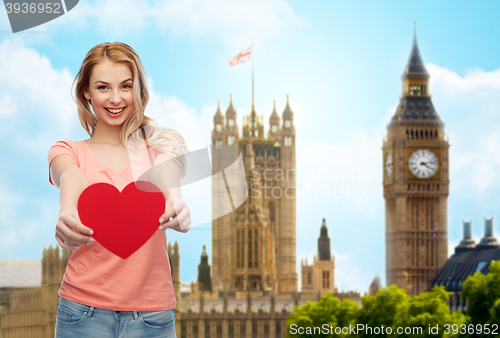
(204,280)
(230,111)
(324,251)
(218,118)
(375,285)
(415,65)
(274,123)
(252,124)
(287,113)
(415,105)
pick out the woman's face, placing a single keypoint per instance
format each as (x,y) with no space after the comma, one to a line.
(110,92)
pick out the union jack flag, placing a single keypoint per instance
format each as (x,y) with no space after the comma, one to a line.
(242,57)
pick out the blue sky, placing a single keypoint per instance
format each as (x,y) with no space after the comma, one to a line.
(340,62)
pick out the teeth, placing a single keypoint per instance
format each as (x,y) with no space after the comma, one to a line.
(114,111)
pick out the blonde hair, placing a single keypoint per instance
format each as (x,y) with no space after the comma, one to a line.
(165,140)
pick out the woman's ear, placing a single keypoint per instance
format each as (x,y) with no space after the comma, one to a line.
(86,94)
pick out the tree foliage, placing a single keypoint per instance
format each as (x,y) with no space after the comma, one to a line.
(483,295)
(391,308)
(328,310)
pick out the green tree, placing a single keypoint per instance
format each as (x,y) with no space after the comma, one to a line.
(328,312)
(380,310)
(483,293)
(429,309)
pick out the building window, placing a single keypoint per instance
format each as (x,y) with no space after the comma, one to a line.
(207,330)
(230,328)
(183,331)
(274,128)
(271,211)
(287,124)
(230,140)
(288,141)
(255,251)
(255,330)
(239,248)
(309,278)
(218,127)
(230,122)
(326,279)
(253,246)
(415,89)
(243,332)
(250,261)
(278,329)
(218,144)
(195,330)
(266,330)
(219,331)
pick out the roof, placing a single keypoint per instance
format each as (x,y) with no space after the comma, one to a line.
(415,110)
(20,273)
(464,264)
(415,65)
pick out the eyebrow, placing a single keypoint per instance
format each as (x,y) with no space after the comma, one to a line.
(129,79)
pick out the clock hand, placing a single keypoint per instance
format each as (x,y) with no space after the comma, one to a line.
(425,163)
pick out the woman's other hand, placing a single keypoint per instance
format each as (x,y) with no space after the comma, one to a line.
(181,216)
(69,229)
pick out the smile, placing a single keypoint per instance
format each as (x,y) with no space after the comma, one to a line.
(115,111)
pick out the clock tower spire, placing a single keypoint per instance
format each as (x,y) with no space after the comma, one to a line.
(415,182)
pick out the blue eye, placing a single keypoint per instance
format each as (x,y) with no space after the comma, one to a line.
(127,86)
(101,87)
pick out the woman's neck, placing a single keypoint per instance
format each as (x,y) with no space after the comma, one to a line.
(104,133)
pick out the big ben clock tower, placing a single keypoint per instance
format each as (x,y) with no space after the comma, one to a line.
(416,184)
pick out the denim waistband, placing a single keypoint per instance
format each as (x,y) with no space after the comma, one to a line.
(90,309)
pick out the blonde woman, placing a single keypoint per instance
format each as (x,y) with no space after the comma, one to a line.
(101,294)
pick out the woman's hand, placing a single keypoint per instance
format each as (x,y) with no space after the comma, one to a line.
(181,216)
(70,230)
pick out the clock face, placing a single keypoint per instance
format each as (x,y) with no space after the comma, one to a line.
(388,164)
(423,163)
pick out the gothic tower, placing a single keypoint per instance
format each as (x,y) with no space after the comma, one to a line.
(204,279)
(253,247)
(319,278)
(416,183)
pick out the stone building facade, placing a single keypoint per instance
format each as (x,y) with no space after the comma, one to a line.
(416,184)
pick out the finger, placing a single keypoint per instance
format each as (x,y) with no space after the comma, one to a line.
(75,223)
(71,236)
(65,246)
(166,216)
(171,224)
(186,224)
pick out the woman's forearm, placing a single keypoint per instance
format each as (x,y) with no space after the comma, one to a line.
(73,182)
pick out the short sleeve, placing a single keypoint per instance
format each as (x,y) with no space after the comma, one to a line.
(60,148)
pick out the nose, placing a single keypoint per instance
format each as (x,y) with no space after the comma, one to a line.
(115,97)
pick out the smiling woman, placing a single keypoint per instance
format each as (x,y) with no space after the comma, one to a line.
(111,95)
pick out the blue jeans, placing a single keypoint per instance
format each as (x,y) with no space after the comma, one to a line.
(79,320)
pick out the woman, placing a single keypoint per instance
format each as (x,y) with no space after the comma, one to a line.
(101,294)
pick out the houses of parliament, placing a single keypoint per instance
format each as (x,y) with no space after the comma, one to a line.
(251,285)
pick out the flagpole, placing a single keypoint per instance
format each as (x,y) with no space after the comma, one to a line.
(252,71)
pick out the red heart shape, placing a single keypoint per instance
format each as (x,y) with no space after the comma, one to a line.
(122,221)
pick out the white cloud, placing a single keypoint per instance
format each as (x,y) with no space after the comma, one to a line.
(231,20)
(160,105)
(37,97)
(470,107)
